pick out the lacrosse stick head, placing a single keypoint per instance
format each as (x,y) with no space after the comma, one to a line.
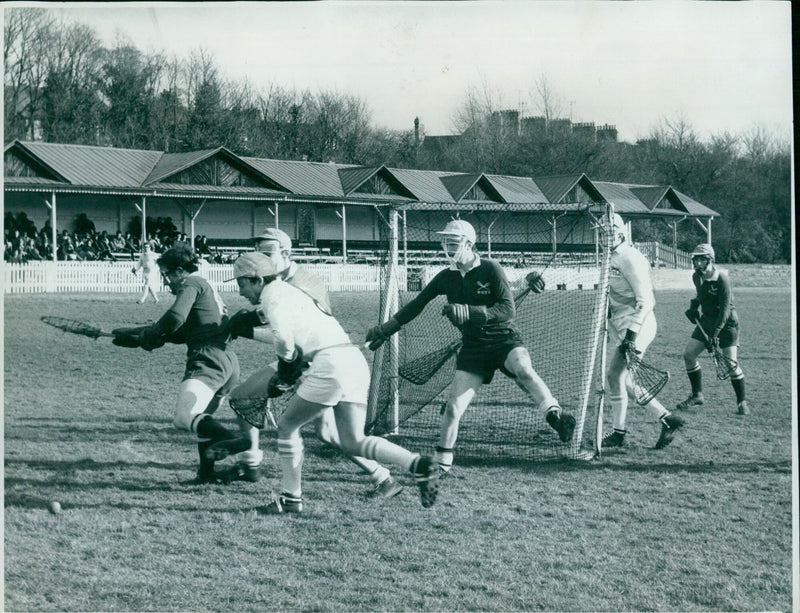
(724,365)
(256,411)
(646,380)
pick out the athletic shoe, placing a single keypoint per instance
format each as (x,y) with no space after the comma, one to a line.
(388,488)
(205,476)
(691,401)
(564,424)
(282,504)
(426,474)
(743,409)
(222,449)
(670,424)
(241,472)
(614,439)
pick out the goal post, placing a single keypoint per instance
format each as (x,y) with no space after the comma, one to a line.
(563,329)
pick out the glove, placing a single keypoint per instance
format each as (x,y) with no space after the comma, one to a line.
(692,315)
(628,344)
(458,314)
(712,344)
(152,338)
(243,322)
(535,282)
(378,335)
(128,337)
(289,371)
(277,387)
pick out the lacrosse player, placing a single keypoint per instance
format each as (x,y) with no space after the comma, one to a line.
(277,246)
(481,306)
(314,349)
(197,318)
(631,328)
(713,309)
(149,267)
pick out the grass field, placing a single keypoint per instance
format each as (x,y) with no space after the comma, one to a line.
(704,525)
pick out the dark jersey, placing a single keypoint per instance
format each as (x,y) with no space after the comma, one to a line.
(716,302)
(483,288)
(197,317)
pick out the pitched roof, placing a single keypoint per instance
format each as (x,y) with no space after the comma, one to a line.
(308,178)
(97,166)
(425,185)
(171,163)
(517,189)
(556,187)
(623,199)
(693,207)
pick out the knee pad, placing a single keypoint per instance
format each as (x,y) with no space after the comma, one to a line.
(193,398)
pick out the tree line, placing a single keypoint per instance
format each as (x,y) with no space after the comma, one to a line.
(63,85)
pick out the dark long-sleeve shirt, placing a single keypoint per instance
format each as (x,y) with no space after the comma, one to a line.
(484,288)
(197,316)
(716,301)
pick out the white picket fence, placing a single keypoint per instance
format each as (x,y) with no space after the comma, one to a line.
(116,277)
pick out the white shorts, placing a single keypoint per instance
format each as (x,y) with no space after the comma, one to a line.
(339,374)
(618,326)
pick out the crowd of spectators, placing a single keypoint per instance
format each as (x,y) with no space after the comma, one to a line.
(24,243)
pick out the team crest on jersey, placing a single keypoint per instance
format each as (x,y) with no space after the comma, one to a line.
(483,288)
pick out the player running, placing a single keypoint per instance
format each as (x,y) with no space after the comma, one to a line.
(197,318)
(149,267)
(277,246)
(312,347)
(631,327)
(481,306)
(713,308)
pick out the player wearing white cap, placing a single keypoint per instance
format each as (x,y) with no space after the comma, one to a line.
(631,327)
(313,348)
(480,304)
(277,246)
(713,308)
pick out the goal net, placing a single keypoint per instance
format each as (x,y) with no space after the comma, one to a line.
(563,329)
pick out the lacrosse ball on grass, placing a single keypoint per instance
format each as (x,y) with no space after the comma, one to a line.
(54,507)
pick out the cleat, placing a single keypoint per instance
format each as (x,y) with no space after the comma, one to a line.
(205,476)
(426,474)
(743,409)
(613,439)
(222,449)
(670,424)
(564,424)
(690,402)
(241,472)
(282,504)
(388,488)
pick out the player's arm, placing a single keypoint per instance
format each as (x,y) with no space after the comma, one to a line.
(379,334)
(693,312)
(501,309)
(277,305)
(724,303)
(636,271)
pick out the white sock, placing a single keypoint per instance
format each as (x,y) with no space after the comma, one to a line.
(385,452)
(290,455)
(619,409)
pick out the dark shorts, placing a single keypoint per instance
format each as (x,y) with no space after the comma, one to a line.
(728,336)
(216,367)
(484,358)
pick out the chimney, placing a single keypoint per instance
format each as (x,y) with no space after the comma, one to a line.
(416,132)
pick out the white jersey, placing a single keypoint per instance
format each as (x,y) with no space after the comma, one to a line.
(630,290)
(147,262)
(297,321)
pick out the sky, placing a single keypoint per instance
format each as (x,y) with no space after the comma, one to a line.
(720,66)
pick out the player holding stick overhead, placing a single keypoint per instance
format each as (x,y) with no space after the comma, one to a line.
(631,328)
(277,246)
(197,318)
(312,347)
(481,306)
(149,267)
(716,327)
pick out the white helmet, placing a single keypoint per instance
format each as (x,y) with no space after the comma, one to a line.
(464,232)
(618,230)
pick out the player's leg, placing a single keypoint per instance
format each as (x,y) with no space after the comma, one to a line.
(729,345)
(255,386)
(694,347)
(518,364)
(462,391)
(381,477)
(350,420)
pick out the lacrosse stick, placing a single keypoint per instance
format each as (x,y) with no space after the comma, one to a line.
(255,411)
(421,370)
(647,380)
(725,366)
(75,327)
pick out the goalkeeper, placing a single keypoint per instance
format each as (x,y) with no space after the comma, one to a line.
(197,318)
(277,246)
(313,348)
(481,306)
(631,327)
(712,308)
